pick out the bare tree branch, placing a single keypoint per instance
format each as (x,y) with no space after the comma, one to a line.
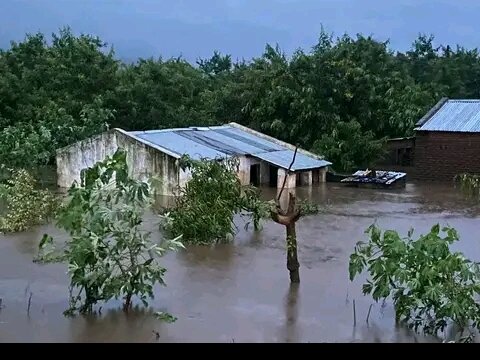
(288,172)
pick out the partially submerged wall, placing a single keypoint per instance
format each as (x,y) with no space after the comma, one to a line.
(81,155)
(440,156)
(144,162)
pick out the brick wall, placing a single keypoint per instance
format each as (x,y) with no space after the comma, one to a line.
(442,155)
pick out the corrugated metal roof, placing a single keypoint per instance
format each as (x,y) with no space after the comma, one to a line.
(180,145)
(262,145)
(456,116)
(223,141)
(283,159)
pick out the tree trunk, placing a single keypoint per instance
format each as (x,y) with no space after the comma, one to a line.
(128,303)
(288,218)
(293,265)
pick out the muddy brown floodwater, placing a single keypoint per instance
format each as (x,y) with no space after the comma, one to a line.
(240,292)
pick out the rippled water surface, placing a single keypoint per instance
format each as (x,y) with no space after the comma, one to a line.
(240,292)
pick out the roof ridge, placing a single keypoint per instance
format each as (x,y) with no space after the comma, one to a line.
(454,115)
(463,100)
(190,128)
(431,112)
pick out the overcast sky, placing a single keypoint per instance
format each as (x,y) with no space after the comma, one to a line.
(194,28)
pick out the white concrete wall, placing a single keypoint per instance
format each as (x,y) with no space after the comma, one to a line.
(322,178)
(81,155)
(244,168)
(143,161)
(291,181)
(306,178)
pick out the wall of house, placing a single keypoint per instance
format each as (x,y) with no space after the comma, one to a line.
(399,152)
(244,170)
(81,155)
(290,182)
(440,156)
(144,162)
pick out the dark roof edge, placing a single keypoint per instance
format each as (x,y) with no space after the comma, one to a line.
(431,112)
(275,140)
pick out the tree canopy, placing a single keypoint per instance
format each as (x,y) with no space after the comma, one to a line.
(56,91)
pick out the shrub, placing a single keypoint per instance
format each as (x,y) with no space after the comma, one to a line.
(431,286)
(26,206)
(109,255)
(205,207)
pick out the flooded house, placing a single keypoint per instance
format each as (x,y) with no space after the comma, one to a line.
(447,140)
(263,160)
(400,151)
(446,143)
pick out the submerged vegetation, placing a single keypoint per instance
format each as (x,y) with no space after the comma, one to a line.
(25,204)
(470,185)
(432,287)
(109,254)
(205,208)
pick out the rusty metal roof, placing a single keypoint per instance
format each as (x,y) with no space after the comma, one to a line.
(454,116)
(224,141)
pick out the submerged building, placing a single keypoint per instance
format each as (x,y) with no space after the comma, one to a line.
(263,160)
(446,143)
(447,140)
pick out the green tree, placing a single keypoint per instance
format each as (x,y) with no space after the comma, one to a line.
(46,86)
(216,65)
(156,94)
(347,147)
(109,254)
(48,92)
(32,144)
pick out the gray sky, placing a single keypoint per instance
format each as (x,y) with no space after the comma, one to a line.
(195,28)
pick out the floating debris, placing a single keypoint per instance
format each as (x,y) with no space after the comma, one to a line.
(376,178)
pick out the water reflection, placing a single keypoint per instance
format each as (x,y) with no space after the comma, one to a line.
(292,301)
(220,257)
(114,325)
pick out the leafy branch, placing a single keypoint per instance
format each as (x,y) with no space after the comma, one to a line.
(431,286)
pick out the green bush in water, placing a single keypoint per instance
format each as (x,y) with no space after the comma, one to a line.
(109,254)
(205,207)
(432,287)
(26,206)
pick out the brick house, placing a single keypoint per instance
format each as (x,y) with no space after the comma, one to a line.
(447,140)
